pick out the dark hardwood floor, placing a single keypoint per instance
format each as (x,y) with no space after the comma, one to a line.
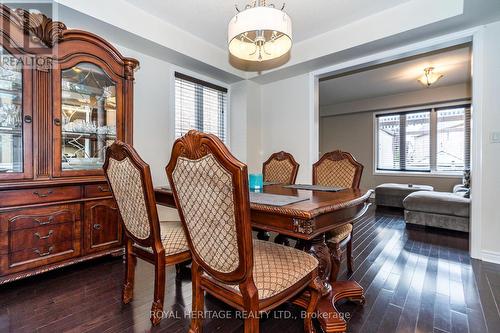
(415,281)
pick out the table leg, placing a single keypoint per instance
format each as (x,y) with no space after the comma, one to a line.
(263,235)
(281,239)
(318,248)
(330,318)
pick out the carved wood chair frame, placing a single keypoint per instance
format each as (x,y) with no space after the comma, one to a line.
(195,145)
(338,155)
(280,156)
(337,249)
(120,151)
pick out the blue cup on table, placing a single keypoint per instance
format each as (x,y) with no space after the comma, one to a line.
(255,182)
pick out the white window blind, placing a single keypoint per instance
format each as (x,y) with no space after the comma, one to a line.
(432,140)
(417,141)
(453,139)
(389,142)
(199,105)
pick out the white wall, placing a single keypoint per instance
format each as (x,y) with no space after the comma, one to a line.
(486,170)
(254,127)
(246,98)
(286,121)
(246,124)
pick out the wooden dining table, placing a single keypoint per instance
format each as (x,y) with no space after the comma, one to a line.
(308,222)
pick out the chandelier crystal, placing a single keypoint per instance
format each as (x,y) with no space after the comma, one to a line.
(260,33)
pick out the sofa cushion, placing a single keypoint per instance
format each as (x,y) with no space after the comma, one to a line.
(391,194)
(401,189)
(438,203)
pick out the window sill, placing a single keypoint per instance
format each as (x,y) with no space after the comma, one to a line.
(418,174)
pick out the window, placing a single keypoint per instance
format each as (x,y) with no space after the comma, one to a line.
(429,140)
(417,141)
(199,105)
(452,139)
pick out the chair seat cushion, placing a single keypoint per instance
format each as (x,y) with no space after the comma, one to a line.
(277,268)
(172,237)
(337,235)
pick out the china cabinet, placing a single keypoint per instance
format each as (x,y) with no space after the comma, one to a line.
(65,95)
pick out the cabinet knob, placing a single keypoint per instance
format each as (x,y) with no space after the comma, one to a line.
(97,226)
(28,119)
(57,122)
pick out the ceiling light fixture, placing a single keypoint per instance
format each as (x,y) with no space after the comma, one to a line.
(429,77)
(259,33)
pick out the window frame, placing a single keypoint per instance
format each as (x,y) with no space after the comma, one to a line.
(202,79)
(433,140)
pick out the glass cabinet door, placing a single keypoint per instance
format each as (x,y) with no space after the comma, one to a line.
(88,116)
(11,114)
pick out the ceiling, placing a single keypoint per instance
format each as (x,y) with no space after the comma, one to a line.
(208,19)
(397,78)
(192,33)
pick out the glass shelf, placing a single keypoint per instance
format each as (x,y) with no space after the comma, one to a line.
(82,134)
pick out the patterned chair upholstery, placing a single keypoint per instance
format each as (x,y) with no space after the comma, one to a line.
(277,268)
(280,168)
(339,169)
(173,238)
(211,192)
(126,182)
(162,243)
(205,192)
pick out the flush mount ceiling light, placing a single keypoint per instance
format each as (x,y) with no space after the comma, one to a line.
(429,77)
(259,33)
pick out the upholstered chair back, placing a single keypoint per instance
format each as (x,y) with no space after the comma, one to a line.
(280,168)
(211,192)
(337,168)
(130,181)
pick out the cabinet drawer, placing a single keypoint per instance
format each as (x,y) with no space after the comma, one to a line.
(43,253)
(39,195)
(40,237)
(98,190)
(39,217)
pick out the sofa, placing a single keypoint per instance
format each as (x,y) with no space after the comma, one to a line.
(439,209)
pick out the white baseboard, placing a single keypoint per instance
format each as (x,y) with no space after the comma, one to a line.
(490,256)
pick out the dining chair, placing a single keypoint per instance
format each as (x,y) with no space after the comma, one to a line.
(211,192)
(159,243)
(339,169)
(280,168)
